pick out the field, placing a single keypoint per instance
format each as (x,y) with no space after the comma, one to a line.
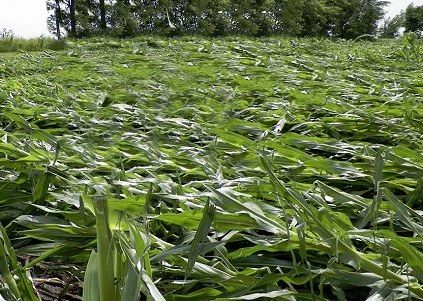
(225,169)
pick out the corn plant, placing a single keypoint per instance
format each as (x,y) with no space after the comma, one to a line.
(232,169)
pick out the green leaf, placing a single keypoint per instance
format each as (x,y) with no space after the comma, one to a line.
(201,235)
(403,212)
(91,288)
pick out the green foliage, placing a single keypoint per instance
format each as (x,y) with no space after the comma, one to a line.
(123,20)
(365,17)
(224,169)
(289,16)
(314,19)
(413,18)
(9,43)
(350,19)
(14,282)
(343,19)
(391,27)
(120,268)
(411,50)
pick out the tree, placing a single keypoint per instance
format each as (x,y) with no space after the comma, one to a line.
(72,17)
(208,17)
(123,19)
(391,27)
(337,18)
(103,24)
(263,17)
(365,18)
(349,19)
(315,19)
(54,21)
(413,19)
(62,16)
(77,17)
(251,17)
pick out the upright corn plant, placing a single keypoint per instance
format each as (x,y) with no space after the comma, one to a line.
(120,268)
(14,282)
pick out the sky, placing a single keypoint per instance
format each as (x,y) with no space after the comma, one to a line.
(28,18)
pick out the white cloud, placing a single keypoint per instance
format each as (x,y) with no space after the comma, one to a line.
(26,18)
(397,5)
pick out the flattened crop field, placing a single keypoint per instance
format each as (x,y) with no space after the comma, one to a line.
(230,169)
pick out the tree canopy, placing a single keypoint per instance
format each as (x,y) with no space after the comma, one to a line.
(413,18)
(335,18)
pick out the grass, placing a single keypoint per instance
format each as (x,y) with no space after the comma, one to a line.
(12,44)
(225,169)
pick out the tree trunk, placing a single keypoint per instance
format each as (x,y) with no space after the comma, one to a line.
(58,15)
(103,24)
(72,17)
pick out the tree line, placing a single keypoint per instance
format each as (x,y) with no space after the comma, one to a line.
(125,18)
(411,20)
